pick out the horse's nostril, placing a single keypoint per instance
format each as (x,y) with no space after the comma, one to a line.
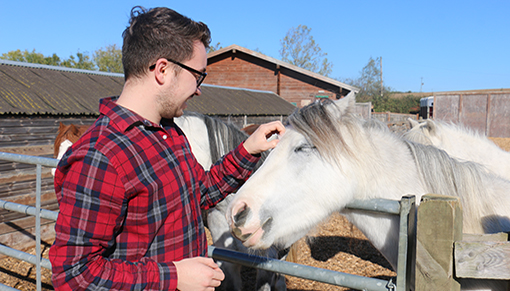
(241,216)
(239,234)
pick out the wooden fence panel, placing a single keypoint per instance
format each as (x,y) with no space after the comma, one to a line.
(473,112)
(446,108)
(488,113)
(499,115)
(482,259)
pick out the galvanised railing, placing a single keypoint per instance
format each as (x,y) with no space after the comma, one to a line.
(39,262)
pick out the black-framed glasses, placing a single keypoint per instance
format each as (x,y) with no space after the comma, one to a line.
(200,76)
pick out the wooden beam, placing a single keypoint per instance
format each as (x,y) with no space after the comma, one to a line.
(482,259)
(439,225)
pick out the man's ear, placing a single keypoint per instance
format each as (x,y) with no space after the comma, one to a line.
(161,71)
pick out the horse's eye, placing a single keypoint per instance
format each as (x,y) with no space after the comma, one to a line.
(304,148)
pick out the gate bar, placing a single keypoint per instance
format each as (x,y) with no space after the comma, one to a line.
(20,255)
(7,288)
(377,204)
(26,159)
(29,210)
(301,271)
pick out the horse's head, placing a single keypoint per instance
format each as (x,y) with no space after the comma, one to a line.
(67,134)
(297,186)
(427,132)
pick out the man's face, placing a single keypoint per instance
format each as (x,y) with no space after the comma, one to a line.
(173,100)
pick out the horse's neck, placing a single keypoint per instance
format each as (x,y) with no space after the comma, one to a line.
(196,132)
(387,168)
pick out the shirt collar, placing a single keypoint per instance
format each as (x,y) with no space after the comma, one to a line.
(122,117)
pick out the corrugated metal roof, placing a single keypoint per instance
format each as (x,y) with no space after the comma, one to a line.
(40,89)
(218,100)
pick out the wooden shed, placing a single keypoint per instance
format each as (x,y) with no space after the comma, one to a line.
(236,66)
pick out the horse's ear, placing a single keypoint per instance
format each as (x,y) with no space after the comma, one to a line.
(430,126)
(74,129)
(60,126)
(346,103)
(412,123)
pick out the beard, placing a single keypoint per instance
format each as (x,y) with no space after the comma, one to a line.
(170,105)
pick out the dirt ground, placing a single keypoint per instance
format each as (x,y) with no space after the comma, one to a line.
(335,245)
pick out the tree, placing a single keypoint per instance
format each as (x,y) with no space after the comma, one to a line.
(299,48)
(31,57)
(369,83)
(81,61)
(109,59)
(215,47)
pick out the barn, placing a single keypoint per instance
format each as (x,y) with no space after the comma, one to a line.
(235,66)
(34,99)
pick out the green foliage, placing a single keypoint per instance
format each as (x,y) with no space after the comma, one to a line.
(215,47)
(31,57)
(386,103)
(109,59)
(81,61)
(299,49)
(369,84)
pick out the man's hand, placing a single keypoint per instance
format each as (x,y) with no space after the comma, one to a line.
(198,273)
(258,142)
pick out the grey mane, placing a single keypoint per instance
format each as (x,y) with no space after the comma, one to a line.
(223,137)
(460,179)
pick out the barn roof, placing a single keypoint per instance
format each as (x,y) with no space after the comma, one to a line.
(41,89)
(233,49)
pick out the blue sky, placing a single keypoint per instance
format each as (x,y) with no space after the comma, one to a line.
(450,45)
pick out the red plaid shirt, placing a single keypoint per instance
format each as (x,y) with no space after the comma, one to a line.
(130,194)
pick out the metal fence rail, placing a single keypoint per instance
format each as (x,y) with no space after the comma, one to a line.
(35,211)
(301,271)
(404,208)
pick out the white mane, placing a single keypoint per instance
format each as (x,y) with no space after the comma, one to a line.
(462,143)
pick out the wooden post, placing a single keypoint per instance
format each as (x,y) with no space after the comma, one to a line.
(439,225)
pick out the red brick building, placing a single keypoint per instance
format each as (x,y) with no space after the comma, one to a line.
(235,66)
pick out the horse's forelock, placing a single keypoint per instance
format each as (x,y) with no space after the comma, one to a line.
(319,124)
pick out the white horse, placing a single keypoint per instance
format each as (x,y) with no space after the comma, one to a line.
(461,143)
(328,157)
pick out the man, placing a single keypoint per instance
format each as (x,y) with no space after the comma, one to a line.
(130,191)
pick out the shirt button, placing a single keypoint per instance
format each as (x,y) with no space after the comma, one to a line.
(165,136)
(146,122)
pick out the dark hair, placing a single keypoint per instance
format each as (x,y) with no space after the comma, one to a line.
(159,33)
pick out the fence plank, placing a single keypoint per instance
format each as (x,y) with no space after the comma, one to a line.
(500,236)
(439,224)
(482,259)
